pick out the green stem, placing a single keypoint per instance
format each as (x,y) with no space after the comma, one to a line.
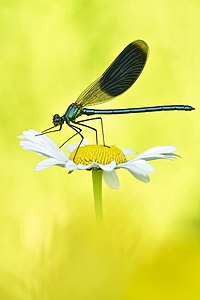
(97,191)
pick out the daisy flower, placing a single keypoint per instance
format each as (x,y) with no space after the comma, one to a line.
(95,157)
(102,160)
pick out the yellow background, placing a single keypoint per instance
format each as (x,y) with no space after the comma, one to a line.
(49,247)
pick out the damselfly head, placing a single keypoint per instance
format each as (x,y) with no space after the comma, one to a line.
(57,120)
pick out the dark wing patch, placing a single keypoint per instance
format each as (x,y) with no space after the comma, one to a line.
(118,77)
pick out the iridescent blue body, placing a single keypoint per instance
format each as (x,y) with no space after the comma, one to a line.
(117,79)
(74,111)
(90,112)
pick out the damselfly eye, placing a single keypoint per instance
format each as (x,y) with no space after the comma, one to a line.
(57,120)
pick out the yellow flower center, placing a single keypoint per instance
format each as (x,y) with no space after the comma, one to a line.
(97,153)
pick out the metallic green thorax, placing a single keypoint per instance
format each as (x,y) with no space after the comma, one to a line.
(73,112)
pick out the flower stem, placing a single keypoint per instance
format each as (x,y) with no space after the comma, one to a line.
(97,191)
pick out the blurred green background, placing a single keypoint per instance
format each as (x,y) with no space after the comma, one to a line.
(50,248)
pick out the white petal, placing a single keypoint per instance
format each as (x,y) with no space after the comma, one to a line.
(139,169)
(142,177)
(46,163)
(87,167)
(70,165)
(159,152)
(28,133)
(109,167)
(27,145)
(143,164)
(42,145)
(128,152)
(111,179)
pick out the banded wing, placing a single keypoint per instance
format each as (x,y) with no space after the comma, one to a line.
(118,77)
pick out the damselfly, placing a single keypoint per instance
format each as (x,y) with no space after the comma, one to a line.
(117,79)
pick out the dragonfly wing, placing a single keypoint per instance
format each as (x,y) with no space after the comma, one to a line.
(118,77)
